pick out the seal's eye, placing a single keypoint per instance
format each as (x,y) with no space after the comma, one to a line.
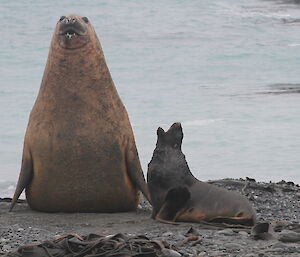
(62,18)
(85,19)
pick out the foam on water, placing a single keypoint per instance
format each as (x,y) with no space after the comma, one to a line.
(199,123)
(208,64)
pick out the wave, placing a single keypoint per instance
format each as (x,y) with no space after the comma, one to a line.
(200,123)
(7,188)
(294,44)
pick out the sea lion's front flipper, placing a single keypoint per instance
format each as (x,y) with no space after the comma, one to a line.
(135,171)
(174,204)
(24,178)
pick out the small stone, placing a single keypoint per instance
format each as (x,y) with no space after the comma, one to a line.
(279,245)
(250,255)
(232,246)
(202,254)
(170,253)
(192,232)
(263,231)
(217,254)
(289,236)
(180,236)
(167,234)
(243,233)
(6,248)
(226,232)
(20,229)
(3,240)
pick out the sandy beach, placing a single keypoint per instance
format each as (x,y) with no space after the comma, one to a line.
(277,203)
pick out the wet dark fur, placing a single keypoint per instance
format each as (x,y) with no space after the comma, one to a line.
(178,196)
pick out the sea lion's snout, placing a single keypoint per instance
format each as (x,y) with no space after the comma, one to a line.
(70,26)
(72,31)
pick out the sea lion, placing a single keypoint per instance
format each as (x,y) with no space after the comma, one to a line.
(177,195)
(79,150)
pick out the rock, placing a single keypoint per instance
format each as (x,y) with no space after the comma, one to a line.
(170,253)
(192,232)
(289,236)
(279,245)
(202,254)
(263,230)
(226,232)
(167,234)
(217,254)
(6,248)
(243,233)
(3,240)
(232,246)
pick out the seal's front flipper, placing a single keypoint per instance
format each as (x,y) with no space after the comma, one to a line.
(174,204)
(24,178)
(135,171)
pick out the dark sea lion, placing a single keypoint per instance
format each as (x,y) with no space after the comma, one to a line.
(79,150)
(177,195)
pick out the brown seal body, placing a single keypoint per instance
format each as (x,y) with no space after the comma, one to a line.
(177,195)
(79,151)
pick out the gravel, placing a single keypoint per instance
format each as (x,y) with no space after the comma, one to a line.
(276,203)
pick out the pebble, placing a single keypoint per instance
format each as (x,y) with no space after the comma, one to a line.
(3,240)
(170,253)
(167,234)
(180,236)
(243,234)
(6,248)
(202,254)
(279,245)
(289,236)
(232,246)
(217,254)
(226,232)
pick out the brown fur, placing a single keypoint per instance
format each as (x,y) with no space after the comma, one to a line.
(79,145)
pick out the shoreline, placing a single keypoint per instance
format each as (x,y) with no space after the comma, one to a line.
(277,203)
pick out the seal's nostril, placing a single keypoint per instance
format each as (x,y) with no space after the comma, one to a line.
(73,20)
(62,18)
(67,20)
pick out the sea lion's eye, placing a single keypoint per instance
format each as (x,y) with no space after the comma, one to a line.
(62,18)
(85,19)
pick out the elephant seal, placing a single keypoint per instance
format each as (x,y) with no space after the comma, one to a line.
(177,195)
(79,150)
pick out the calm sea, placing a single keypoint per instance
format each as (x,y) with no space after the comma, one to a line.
(227,69)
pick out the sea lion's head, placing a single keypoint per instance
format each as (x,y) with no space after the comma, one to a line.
(172,138)
(73,31)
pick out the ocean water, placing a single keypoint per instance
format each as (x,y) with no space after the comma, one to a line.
(227,69)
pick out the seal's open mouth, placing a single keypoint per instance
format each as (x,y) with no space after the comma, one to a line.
(72,32)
